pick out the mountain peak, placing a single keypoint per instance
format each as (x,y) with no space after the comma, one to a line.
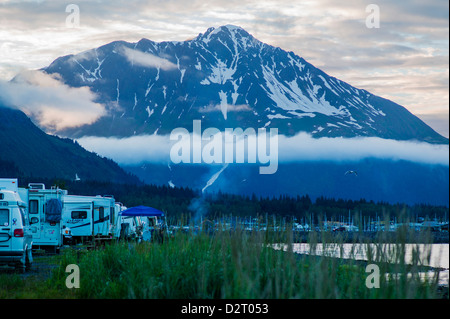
(227,27)
(225,31)
(231,28)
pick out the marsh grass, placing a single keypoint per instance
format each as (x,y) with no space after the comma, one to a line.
(244,265)
(241,264)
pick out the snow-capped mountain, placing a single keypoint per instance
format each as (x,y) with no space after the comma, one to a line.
(228,79)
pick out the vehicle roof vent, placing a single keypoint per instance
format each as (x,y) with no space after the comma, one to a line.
(36,186)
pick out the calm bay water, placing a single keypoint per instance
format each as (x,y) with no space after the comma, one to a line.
(435,255)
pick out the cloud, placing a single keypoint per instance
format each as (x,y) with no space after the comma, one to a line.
(438,121)
(131,150)
(230,108)
(224,108)
(303,147)
(52,103)
(146,59)
(299,148)
(411,46)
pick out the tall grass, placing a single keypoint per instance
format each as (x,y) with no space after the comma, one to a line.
(243,265)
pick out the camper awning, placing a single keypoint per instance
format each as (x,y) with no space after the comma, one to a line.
(142,211)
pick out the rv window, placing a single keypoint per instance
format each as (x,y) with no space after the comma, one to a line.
(111,215)
(4,217)
(101,213)
(79,215)
(33,206)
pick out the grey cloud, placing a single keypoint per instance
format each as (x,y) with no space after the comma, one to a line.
(54,104)
(299,148)
(146,59)
(440,121)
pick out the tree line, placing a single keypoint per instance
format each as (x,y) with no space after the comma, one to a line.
(179,202)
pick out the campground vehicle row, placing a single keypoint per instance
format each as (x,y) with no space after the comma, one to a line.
(36,217)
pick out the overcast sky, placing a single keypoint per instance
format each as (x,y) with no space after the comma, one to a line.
(405,60)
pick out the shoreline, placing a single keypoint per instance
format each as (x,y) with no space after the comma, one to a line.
(378,237)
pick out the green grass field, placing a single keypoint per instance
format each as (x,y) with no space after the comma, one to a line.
(223,265)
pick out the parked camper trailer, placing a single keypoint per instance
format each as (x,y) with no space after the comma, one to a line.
(151,226)
(114,227)
(126,227)
(45,213)
(51,217)
(88,216)
(16,240)
(131,227)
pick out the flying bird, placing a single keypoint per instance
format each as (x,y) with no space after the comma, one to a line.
(351,172)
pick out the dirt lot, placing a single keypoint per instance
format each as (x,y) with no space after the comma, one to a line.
(42,267)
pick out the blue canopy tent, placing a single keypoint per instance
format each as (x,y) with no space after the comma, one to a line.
(143,211)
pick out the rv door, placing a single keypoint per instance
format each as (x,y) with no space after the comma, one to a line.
(36,216)
(5,229)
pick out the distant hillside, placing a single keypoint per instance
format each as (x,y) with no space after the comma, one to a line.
(26,150)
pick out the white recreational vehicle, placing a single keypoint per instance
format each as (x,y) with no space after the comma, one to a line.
(150,223)
(16,240)
(88,216)
(45,213)
(114,227)
(126,227)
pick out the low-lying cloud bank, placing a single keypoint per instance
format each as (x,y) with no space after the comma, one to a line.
(146,59)
(299,148)
(305,148)
(52,103)
(131,150)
